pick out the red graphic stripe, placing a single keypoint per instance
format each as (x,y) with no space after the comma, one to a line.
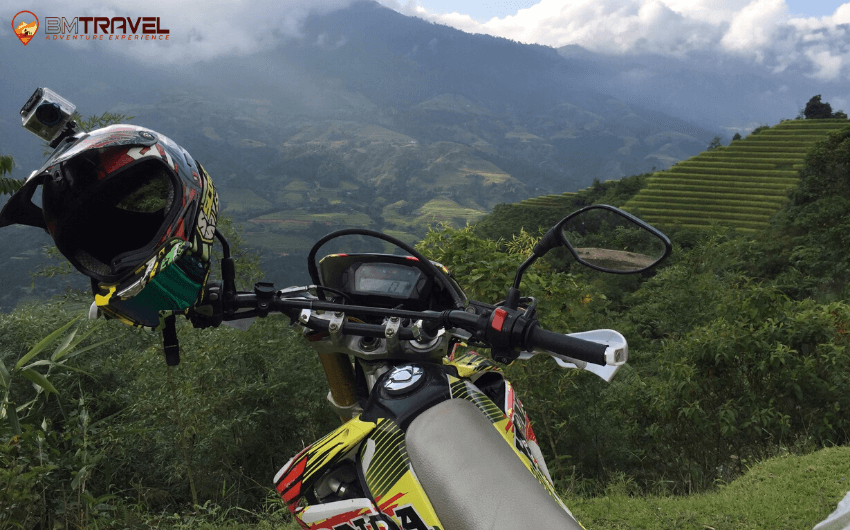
(529,432)
(290,486)
(113,160)
(390,506)
(181,230)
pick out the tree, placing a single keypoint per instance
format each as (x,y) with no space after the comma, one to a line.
(736,137)
(815,220)
(715,143)
(817,110)
(8,186)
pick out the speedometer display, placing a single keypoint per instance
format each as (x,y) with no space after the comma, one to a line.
(386,279)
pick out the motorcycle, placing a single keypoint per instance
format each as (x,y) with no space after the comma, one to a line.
(433,438)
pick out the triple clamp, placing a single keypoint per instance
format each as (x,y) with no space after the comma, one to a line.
(391,333)
(335,327)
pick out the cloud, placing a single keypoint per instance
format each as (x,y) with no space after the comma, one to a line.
(755,26)
(198,31)
(760,30)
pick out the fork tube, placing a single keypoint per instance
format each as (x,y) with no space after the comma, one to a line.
(340,375)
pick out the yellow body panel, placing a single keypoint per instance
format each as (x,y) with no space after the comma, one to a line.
(392,483)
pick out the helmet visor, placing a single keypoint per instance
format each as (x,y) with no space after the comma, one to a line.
(107,228)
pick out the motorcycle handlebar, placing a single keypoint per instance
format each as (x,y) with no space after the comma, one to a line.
(583,350)
(529,336)
(524,335)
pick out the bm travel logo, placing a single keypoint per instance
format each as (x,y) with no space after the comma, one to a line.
(127,29)
(27,25)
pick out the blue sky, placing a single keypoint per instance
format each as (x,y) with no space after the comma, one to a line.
(484,10)
(813,8)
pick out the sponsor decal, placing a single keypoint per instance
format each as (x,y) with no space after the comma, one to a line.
(208,215)
(407,516)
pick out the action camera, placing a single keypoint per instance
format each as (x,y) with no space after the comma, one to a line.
(46,113)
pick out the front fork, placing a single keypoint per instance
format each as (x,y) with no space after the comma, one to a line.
(340,375)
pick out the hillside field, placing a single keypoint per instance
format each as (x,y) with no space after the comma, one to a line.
(741,185)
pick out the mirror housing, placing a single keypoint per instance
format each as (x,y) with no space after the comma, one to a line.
(637,245)
(608,239)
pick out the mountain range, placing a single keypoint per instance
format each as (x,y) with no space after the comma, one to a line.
(373,118)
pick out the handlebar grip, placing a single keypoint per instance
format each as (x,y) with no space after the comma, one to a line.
(583,350)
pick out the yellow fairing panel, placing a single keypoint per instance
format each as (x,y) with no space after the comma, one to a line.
(305,468)
(470,363)
(391,481)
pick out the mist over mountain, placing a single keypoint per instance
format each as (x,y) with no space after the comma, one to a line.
(366,117)
(367,63)
(724,93)
(729,64)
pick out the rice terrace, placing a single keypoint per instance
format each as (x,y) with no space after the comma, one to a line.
(741,185)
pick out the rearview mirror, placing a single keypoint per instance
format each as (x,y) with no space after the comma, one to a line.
(610,240)
(603,238)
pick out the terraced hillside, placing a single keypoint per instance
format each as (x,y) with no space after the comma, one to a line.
(740,185)
(550,201)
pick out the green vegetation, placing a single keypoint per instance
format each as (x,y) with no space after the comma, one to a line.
(241,201)
(294,231)
(820,110)
(539,213)
(108,436)
(8,186)
(757,170)
(447,210)
(781,493)
(732,412)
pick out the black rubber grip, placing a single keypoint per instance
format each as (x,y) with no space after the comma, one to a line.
(583,350)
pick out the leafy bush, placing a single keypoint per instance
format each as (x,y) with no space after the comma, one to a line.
(47,446)
(811,233)
(769,374)
(129,430)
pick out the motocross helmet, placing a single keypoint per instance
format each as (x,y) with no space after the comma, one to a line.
(133,211)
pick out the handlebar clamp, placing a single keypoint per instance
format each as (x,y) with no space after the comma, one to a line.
(505,332)
(265,293)
(211,312)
